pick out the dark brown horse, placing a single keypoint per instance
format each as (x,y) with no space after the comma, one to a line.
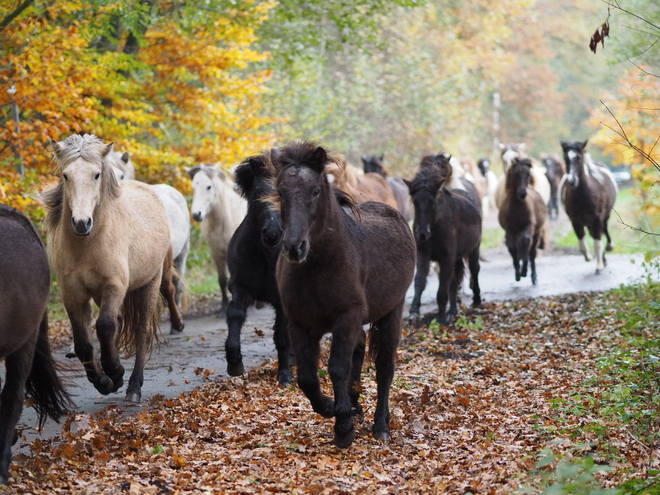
(24,287)
(338,271)
(554,171)
(252,257)
(447,229)
(588,192)
(374,164)
(522,215)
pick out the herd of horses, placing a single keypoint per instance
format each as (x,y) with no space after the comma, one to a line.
(327,245)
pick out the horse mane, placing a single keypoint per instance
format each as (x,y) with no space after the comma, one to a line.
(429,172)
(89,148)
(244,175)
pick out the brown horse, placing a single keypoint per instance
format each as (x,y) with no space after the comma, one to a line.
(338,271)
(107,243)
(588,192)
(24,286)
(522,215)
(362,187)
(374,164)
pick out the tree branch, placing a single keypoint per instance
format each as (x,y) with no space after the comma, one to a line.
(17,11)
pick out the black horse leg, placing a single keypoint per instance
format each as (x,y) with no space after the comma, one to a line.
(423,263)
(236,314)
(222,282)
(446,278)
(459,270)
(473,264)
(389,333)
(307,350)
(355,378)
(281,338)
(345,335)
(524,242)
(107,326)
(513,251)
(11,400)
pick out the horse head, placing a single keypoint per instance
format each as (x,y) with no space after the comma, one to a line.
(510,151)
(518,177)
(484,165)
(254,179)
(424,189)
(87,178)
(574,159)
(206,181)
(303,189)
(374,164)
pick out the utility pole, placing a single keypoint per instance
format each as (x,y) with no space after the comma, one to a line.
(15,115)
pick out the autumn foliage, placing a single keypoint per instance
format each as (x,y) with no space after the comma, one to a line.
(187,94)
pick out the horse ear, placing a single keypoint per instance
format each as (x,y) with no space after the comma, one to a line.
(382,157)
(107,149)
(257,166)
(408,183)
(319,159)
(125,157)
(584,145)
(274,155)
(364,160)
(192,171)
(501,146)
(522,147)
(56,147)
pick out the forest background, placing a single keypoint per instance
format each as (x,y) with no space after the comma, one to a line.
(178,83)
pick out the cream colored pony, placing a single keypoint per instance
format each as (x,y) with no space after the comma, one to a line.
(362,187)
(107,243)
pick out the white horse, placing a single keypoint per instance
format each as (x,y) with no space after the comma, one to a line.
(220,209)
(178,218)
(539,182)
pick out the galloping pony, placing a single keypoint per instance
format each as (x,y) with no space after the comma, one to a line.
(253,252)
(362,187)
(107,243)
(24,346)
(447,230)
(522,216)
(538,180)
(340,270)
(588,192)
(373,164)
(483,164)
(554,172)
(220,209)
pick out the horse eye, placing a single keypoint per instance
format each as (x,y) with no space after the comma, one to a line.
(317,192)
(208,188)
(65,177)
(97,175)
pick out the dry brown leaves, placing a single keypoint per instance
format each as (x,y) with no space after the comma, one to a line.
(470,412)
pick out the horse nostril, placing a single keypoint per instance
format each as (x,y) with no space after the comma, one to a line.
(89,223)
(197,216)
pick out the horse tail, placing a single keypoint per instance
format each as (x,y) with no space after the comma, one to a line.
(136,305)
(43,384)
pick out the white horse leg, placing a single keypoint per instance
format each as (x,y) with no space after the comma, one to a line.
(584,249)
(598,248)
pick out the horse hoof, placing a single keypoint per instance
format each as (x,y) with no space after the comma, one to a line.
(235,369)
(134,397)
(345,441)
(382,434)
(105,385)
(414,314)
(177,330)
(3,481)
(328,408)
(284,378)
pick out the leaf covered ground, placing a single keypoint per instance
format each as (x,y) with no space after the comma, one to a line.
(490,404)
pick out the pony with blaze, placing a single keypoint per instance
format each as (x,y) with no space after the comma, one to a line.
(340,270)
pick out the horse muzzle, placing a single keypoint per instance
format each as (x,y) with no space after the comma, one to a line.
(197,216)
(297,253)
(82,227)
(522,194)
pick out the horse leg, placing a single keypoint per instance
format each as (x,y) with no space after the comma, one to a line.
(579,232)
(599,252)
(422,272)
(281,339)
(222,281)
(168,291)
(11,399)
(307,351)
(523,244)
(389,334)
(107,326)
(236,314)
(513,251)
(606,231)
(459,271)
(355,379)
(473,265)
(532,256)
(345,334)
(180,267)
(145,329)
(80,316)
(446,278)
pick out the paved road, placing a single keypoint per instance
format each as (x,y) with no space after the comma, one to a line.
(172,367)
